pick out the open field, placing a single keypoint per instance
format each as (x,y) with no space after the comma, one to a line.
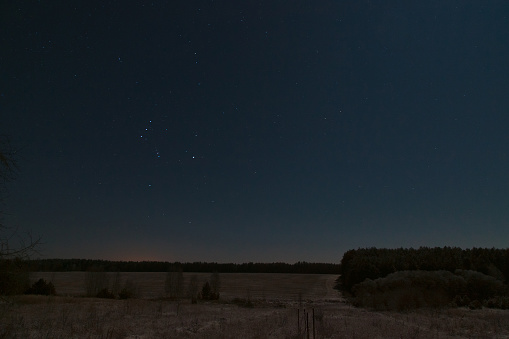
(276,306)
(271,286)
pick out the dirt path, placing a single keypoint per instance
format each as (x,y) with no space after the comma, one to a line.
(332,294)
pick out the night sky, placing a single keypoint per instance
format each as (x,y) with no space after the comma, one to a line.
(236,131)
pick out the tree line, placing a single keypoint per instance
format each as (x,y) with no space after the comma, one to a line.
(69,265)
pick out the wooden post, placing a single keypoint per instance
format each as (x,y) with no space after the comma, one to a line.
(298,321)
(307,325)
(314,332)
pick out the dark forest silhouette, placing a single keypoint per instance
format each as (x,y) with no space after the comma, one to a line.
(64,265)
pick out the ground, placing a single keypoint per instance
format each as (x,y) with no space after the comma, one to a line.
(251,306)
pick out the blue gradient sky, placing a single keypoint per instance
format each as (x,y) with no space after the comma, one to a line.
(256,130)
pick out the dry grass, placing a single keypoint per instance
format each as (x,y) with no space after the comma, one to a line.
(274,315)
(233,285)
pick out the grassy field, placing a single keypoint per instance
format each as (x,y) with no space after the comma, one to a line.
(279,302)
(233,285)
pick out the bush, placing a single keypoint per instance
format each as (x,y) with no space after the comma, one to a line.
(461,301)
(243,302)
(215,284)
(498,302)
(125,294)
(475,305)
(413,289)
(192,289)
(480,286)
(407,290)
(372,263)
(41,287)
(130,290)
(96,281)
(14,278)
(174,283)
(205,291)
(105,293)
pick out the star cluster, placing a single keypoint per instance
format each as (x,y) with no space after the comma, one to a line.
(256,131)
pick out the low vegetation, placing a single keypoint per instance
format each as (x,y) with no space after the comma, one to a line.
(422,293)
(32,316)
(41,287)
(97,284)
(413,289)
(14,277)
(403,279)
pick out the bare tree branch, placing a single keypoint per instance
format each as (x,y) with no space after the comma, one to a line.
(8,166)
(13,271)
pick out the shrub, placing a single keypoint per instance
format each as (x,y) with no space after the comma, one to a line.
(105,293)
(414,289)
(14,278)
(174,283)
(498,302)
(243,302)
(408,290)
(475,305)
(41,287)
(215,285)
(372,263)
(461,301)
(130,290)
(96,281)
(192,289)
(205,291)
(480,286)
(125,294)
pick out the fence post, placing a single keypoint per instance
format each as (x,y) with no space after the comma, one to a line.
(298,321)
(307,325)
(314,332)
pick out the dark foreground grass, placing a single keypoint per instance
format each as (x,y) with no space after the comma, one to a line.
(74,317)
